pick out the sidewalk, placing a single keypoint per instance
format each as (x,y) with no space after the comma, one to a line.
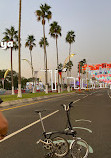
(28,100)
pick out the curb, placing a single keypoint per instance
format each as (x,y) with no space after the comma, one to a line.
(28,100)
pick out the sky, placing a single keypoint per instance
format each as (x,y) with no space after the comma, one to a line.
(89,19)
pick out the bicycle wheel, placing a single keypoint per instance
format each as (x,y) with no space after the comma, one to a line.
(61,146)
(79,148)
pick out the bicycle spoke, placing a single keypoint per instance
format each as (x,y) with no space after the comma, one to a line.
(79,151)
(60,146)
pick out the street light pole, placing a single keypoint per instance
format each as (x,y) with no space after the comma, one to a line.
(32,69)
(19,53)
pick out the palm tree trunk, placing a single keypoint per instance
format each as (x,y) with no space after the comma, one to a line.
(69,71)
(45,57)
(69,51)
(44,61)
(61,83)
(57,65)
(69,58)
(32,71)
(19,55)
(12,74)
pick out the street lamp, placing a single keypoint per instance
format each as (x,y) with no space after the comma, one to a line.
(32,71)
(71,55)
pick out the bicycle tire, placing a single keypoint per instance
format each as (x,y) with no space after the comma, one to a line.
(79,148)
(61,146)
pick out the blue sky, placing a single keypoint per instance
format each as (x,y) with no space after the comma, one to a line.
(90,19)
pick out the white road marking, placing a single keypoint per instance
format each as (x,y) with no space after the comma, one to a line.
(109,95)
(26,127)
(83,120)
(85,96)
(76,101)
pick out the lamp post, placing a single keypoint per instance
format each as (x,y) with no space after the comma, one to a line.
(71,55)
(32,71)
(19,53)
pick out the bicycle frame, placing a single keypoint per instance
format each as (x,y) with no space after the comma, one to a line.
(49,134)
(68,131)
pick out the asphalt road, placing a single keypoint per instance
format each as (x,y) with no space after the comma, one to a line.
(22,135)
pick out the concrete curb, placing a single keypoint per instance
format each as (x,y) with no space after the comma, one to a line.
(28,100)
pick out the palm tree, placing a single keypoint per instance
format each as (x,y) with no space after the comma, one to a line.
(55,32)
(80,71)
(19,52)
(82,62)
(68,67)
(70,38)
(60,68)
(11,35)
(41,43)
(42,15)
(30,44)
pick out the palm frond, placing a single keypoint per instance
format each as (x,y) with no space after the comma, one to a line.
(30,42)
(11,35)
(44,12)
(41,42)
(55,29)
(70,37)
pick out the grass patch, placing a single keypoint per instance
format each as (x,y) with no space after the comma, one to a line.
(27,95)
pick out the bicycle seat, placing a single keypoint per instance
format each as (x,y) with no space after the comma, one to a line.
(37,111)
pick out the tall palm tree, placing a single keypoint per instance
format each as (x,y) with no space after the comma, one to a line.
(68,67)
(11,35)
(70,38)
(55,32)
(19,52)
(42,15)
(30,43)
(41,43)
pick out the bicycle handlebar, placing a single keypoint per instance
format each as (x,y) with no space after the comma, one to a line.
(67,107)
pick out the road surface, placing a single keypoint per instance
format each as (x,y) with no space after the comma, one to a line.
(25,129)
